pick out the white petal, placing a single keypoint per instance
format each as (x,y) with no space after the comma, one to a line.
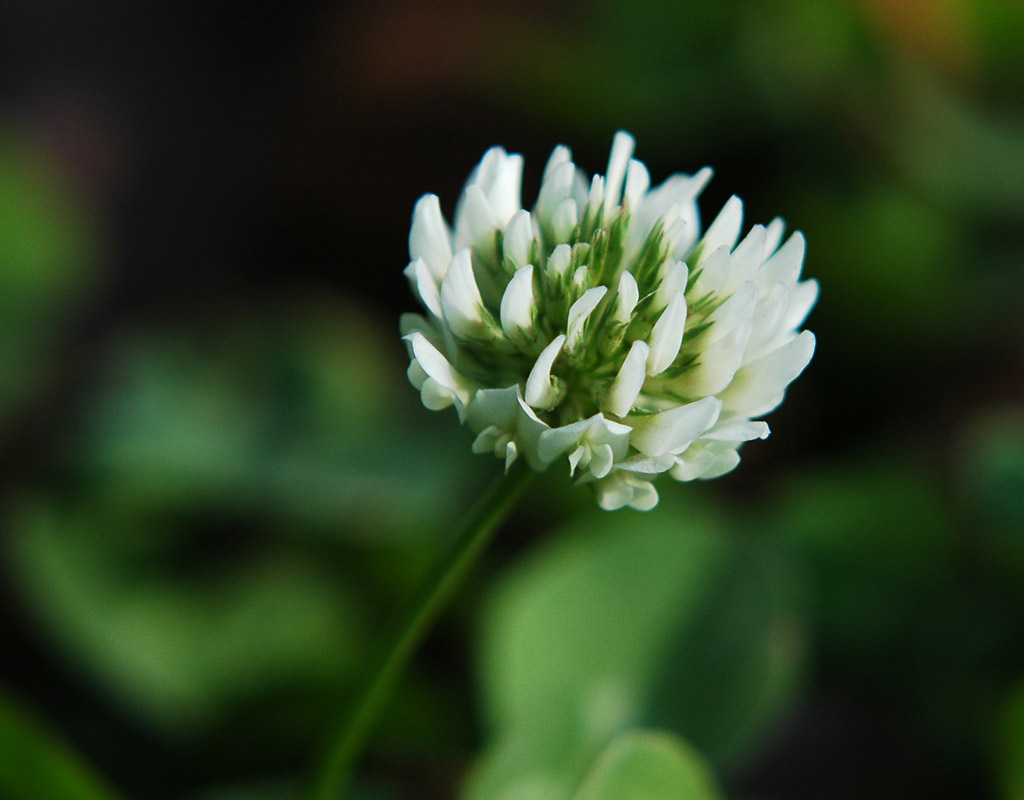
(645,496)
(667,335)
(601,460)
(801,300)
(460,298)
(529,429)
(556,187)
(758,387)
(717,365)
(638,181)
(541,392)
(674,275)
(555,441)
(435,396)
(474,222)
(484,172)
(624,489)
(739,431)
(700,179)
(416,374)
(559,155)
(746,259)
(494,407)
(429,237)
(438,369)
(606,431)
(658,202)
(505,410)
(774,231)
(624,390)
(580,191)
(558,262)
(504,188)
(627,297)
(574,458)
(672,431)
(589,434)
(498,176)
(425,284)
(675,199)
(677,192)
(580,278)
(511,451)
(768,316)
(487,439)
(517,303)
(596,197)
(680,236)
(519,239)
(563,221)
(580,311)
(784,267)
(725,230)
(736,311)
(648,465)
(706,461)
(713,271)
(622,149)
(614,492)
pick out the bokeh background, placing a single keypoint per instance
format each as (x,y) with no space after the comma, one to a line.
(216,479)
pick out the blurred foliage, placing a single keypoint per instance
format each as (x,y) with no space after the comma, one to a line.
(648,766)
(48,252)
(141,573)
(992,458)
(265,413)
(35,765)
(615,623)
(213,498)
(1010,746)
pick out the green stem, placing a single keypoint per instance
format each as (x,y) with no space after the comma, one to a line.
(407,629)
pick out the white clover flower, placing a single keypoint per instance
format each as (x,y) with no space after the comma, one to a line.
(601,327)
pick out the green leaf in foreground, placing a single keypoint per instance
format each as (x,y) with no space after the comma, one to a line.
(622,622)
(35,765)
(648,765)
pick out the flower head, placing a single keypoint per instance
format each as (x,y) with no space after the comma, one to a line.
(601,328)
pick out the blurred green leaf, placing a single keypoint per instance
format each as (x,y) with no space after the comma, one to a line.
(887,259)
(876,532)
(179,651)
(1001,30)
(907,604)
(36,765)
(271,790)
(797,53)
(725,677)
(644,66)
(992,465)
(303,413)
(621,621)
(648,765)
(48,250)
(970,159)
(1010,747)
(257,791)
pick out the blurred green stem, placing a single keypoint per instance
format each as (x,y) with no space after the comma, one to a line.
(407,629)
